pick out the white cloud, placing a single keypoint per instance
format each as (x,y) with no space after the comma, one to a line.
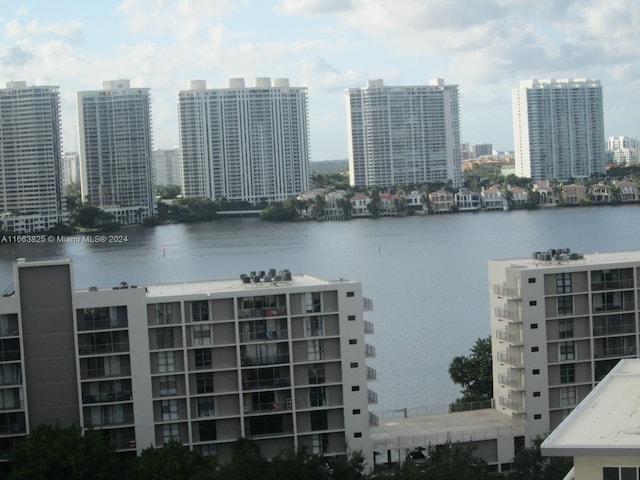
(308,7)
(15,29)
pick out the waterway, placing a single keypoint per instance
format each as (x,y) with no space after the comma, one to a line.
(427,276)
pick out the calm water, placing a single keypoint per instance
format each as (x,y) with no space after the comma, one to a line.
(427,276)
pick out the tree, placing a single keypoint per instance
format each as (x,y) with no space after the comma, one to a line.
(174,461)
(375,203)
(454,460)
(169,192)
(319,204)
(247,462)
(297,464)
(529,464)
(280,212)
(474,372)
(53,452)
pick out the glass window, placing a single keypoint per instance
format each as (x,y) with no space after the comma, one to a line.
(168,386)
(317,396)
(565,305)
(202,358)
(567,351)
(202,335)
(565,328)
(169,409)
(568,397)
(316,374)
(314,326)
(200,311)
(315,349)
(166,362)
(164,337)
(206,407)
(204,382)
(169,432)
(563,282)
(568,373)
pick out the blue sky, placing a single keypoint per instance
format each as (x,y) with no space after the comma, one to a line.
(484,46)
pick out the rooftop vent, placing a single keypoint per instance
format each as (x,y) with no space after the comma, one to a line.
(270,276)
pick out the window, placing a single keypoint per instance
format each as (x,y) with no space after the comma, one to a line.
(351,294)
(351,318)
(207,430)
(535,349)
(202,358)
(164,313)
(316,374)
(567,373)
(568,397)
(164,337)
(319,420)
(534,326)
(319,443)
(563,282)
(354,365)
(531,280)
(565,305)
(206,407)
(355,411)
(536,394)
(565,328)
(537,416)
(533,303)
(317,396)
(355,388)
(536,371)
(169,409)
(357,435)
(168,386)
(353,341)
(313,326)
(201,335)
(170,432)
(200,311)
(166,362)
(567,351)
(204,382)
(315,349)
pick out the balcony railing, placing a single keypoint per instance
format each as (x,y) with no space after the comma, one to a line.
(511,404)
(374,421)
(372,397)
(124,396)
(615,352)
(369,350)
(262,312)
(274,334)
(367,304)
(265,360)
(267,407)
(368,328)
(507,292)
(510,359)
(613,307)
(511,381)
(114,347)
(101,323)
(276,382)
(612,284)
(508,314)
(371,373)
(514,337)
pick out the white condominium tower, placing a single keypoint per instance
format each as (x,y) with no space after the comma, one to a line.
(404,135)
(31,197)
(244,143)
(115,150)
(558,129)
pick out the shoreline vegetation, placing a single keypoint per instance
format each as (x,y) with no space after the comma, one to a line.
(332,198)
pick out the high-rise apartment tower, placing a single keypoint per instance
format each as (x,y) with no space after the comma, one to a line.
(244,143)
(404,135)
(31,198)
(558,129)
(115,150)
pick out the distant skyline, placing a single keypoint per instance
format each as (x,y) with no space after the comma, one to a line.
(485,46)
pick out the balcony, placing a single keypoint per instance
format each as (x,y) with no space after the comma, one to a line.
(371,373)
(508,314)
(510,359)
(367,304)
(613,307)
(368,328)
(374,421)
(507,292)
(510,336)
(263,335)
(615,352)
(262,312)
(248,361)
(269,382)
(511,381)
(369,350)
(612,284)
(517,407)
(372,397)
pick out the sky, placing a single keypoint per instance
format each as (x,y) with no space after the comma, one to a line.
(485,46)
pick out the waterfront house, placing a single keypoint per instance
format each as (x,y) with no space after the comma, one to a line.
(573,194)
(548,196)
(519,196)
(333,209)
(494,198)
(441,201)
(359,204)
(413,201)
(600,193)
(466,200)
(628,191)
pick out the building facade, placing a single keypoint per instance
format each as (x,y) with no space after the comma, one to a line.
(558,129)
(275,357)
(404,135)
(166,167)
(115,150)
(559,322)
(244,143)
(31,196)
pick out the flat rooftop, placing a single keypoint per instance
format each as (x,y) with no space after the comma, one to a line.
(420,431)
(564,260)
(606,422)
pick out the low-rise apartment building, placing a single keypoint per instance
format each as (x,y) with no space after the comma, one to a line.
(271,356)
